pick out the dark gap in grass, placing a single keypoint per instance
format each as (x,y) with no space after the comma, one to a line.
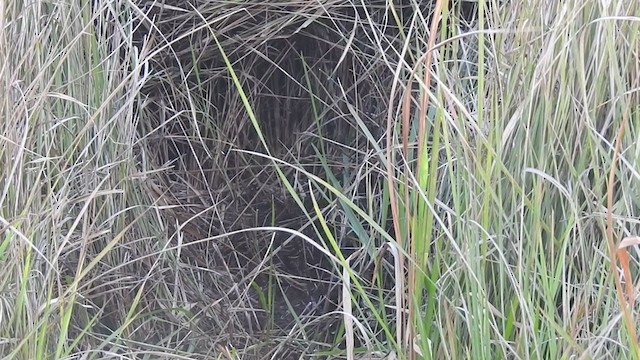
(302,66)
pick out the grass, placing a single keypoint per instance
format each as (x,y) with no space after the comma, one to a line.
(463,186)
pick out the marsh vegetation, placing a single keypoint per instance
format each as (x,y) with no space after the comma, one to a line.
(319,179)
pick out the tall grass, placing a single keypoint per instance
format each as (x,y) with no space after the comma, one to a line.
(501,202)
(70,189)
(521,261)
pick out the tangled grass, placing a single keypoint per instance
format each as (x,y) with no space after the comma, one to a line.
(319,179)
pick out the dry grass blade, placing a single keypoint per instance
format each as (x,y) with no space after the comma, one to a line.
(616,251)
(348,313)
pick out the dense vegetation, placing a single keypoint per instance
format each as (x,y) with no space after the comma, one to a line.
(319,179)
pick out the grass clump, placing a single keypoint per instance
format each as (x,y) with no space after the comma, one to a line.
(417,179)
